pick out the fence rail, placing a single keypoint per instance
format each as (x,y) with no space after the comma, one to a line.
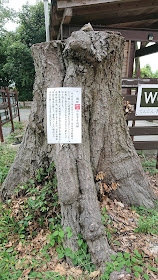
(9,108)
(131,96)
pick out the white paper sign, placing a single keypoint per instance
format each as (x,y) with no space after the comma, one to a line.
(64,115)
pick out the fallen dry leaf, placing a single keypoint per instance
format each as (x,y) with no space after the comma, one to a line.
(59,268)
(10,244)
(26,271)
(19,247)
(18,264)
(114,186)
(100,176)
(75,272)
(94,274)
(105,187)
(119,203)
(146,251)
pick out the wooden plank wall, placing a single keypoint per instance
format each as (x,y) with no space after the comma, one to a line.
(126,60)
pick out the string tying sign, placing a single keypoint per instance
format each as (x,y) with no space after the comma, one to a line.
(64,115)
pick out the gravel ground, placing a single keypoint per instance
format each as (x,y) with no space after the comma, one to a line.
(24,114)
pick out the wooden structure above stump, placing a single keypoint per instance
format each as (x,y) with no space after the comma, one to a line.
(120,14)
(136,20)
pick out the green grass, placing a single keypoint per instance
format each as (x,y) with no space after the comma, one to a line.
(36,208)
(18,129)
(150,166)
(40,198)
(148,163)
(39,209)
(148,220)
(17,125)
(7,156)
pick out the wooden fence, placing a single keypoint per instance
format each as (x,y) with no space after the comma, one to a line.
(131,96)
(9,108)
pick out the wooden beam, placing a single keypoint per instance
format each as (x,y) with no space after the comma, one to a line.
(67,15)
(143,130)
(114,18)
(61,5)
(146,50)
(143,24)
(134,82)
(129,34)
(131,54)
(133,117)
(123,7)
(146,145)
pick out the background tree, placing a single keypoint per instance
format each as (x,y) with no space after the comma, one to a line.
(32,24)
(5,15)
(146,72)
(20,69)
(4,76)
(16,61)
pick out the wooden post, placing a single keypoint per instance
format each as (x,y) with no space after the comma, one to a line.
(17,104)
(1,132)
(157,160)
(10,109)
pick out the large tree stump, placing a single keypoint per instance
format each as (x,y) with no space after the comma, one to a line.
(92,61)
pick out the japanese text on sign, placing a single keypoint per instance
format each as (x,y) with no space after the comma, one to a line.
(64,115)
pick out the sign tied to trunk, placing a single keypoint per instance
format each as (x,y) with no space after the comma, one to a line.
(64,115)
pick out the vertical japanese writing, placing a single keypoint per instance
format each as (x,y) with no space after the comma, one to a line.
(69,117)
(56,115)
(64,115)
(50,110)
(53,114)
(59,114)
(72,115)
(77,107)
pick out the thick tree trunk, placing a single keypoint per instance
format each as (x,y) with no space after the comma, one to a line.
(92,61)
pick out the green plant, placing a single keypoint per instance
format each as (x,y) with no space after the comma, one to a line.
(17,125)
(56,236)
(41,197)
(80,258)
(148,220)
(107,222)
(7,156)
(18,129)
(132,264)
(150,166)
(148,225)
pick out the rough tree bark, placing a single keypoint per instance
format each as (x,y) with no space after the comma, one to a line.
(92,61)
